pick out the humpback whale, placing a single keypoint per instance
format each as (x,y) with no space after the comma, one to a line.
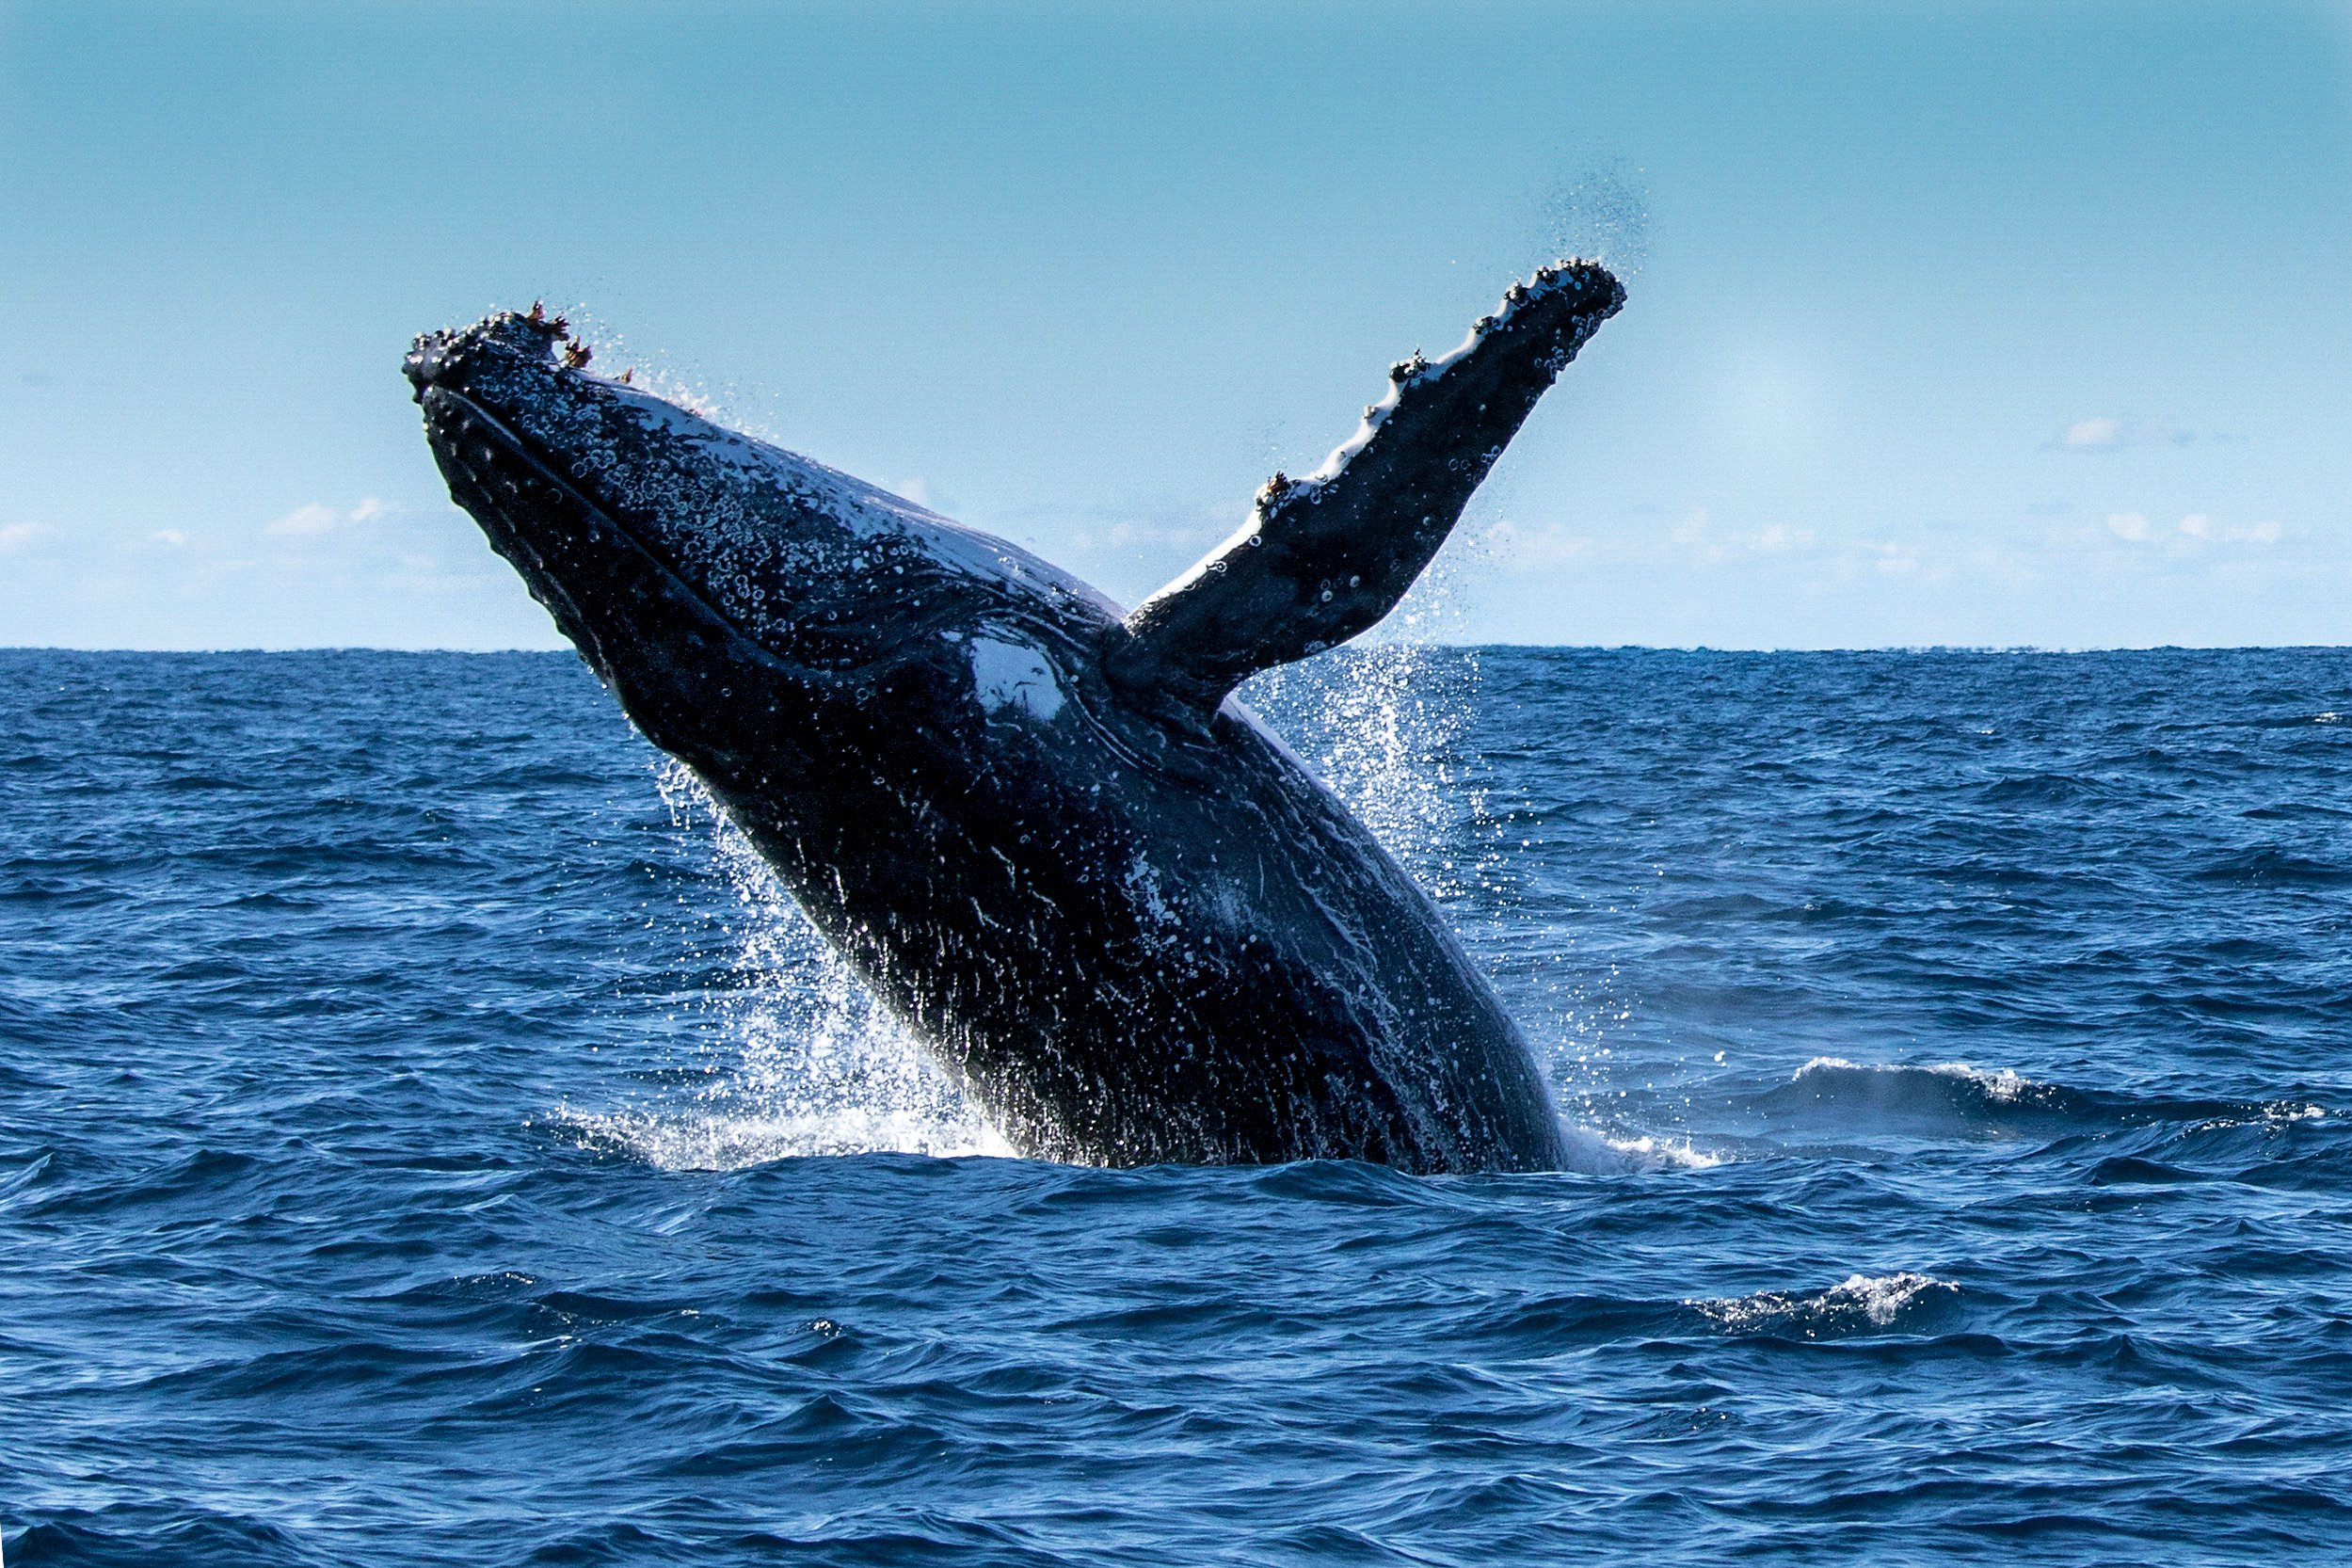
(1074,865)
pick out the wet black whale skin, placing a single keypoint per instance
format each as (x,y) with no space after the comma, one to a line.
(1078,870)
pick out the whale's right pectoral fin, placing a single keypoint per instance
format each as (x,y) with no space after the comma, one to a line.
(1325,557)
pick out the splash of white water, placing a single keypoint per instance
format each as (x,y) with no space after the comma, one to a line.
(1860,1303)
(806,1061)
(1379,726)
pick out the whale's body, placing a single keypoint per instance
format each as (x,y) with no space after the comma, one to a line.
(1108,902)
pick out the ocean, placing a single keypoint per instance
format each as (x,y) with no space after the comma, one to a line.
(427,1135)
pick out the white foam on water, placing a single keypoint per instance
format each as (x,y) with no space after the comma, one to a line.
(1998,1084)
(2274,1116)
(806,1062)
(724,1141)
(1859,1299)
(1593,1152)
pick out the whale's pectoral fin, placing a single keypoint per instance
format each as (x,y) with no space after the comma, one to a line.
(1325,557)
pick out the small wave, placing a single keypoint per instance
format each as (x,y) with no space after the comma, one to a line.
(2004,1085)
(1954,1099)
(1860,1304)
(129,1533)
(28,1175)
(2040,789)
(2268,865)
(1944,1095)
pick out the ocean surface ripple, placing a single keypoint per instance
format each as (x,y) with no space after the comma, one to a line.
(427,1135)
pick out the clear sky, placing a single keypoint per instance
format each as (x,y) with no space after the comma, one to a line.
(1973,325)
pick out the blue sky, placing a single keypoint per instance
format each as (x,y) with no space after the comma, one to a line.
(1986,325)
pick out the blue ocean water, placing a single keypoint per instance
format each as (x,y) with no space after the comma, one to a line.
(426,1136)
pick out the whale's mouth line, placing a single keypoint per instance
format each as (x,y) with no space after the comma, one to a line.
(523,449)
(520,447)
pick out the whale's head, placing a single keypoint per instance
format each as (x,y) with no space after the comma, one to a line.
(624,517)
(730,593)
(598,494)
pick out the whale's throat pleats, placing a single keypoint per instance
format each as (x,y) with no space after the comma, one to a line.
(1325,557)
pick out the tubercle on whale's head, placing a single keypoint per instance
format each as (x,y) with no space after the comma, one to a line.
(507,355)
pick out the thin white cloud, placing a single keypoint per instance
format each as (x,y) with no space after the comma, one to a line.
(1696,532)
(2195,529)
(1711,546)
(2107,433)
(171,537)
(318,517)
(313,519)
(16,536)
(2197,525)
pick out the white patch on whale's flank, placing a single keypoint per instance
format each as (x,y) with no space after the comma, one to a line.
(1012,675)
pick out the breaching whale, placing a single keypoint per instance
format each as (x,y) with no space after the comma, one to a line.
(1115,909)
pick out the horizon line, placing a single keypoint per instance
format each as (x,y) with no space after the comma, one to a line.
(288,649)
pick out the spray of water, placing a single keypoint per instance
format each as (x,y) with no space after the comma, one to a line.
(1379,726)
(1601,211)
(801,1059)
